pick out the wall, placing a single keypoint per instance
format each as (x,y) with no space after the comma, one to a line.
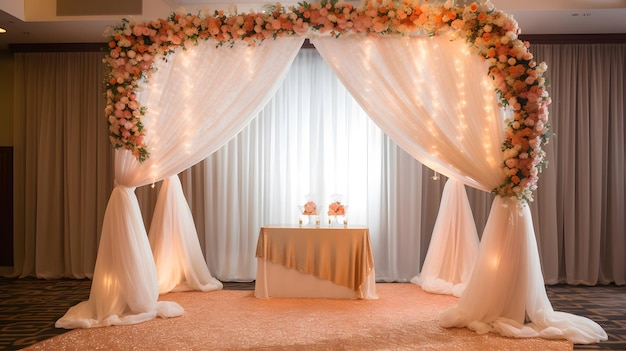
(6,158)
(6,98)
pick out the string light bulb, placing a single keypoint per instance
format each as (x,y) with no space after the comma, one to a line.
(435,176)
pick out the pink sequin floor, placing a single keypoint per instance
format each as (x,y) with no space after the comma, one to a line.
(403,318)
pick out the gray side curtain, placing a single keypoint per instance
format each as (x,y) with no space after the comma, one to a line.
(63,163)
(580,206)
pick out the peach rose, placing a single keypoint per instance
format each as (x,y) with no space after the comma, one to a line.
(310,208)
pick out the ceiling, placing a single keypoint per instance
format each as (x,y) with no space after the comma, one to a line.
(36,21)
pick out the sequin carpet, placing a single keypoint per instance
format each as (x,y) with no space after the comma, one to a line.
(403,318)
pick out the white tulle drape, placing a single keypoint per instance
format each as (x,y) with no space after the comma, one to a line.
(174,241)
(430,95)
(198,99)
(124,288)
(507,285)
(453,246)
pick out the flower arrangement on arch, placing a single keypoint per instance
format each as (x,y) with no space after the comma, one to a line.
(492,35)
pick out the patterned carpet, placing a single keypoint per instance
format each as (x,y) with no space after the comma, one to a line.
(604,304)
(29,307)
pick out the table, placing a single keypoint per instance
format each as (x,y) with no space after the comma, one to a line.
(315,262)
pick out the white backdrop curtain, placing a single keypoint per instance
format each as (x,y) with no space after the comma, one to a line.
(198,99)
(312,138)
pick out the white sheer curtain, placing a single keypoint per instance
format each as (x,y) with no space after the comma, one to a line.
(412,110)
(198,100)
(311,138)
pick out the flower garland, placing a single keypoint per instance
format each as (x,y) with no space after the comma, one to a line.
(491,34)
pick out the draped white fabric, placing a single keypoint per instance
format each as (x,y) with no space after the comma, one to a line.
(124,289)
(429,115)
(173,238)
(507,285)
(198,100)
(453,247)
(428,95)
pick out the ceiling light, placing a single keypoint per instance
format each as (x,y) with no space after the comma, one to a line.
(2,30)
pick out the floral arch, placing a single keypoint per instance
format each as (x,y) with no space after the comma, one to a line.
(490,34)
(126,285)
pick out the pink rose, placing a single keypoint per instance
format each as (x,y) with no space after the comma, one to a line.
(511,162)
(138,29)
(120,105)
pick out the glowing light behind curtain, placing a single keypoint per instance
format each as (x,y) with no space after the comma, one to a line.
(311,138)
(194,108)
(436,113)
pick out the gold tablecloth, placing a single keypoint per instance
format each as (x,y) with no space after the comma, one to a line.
(341,255)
